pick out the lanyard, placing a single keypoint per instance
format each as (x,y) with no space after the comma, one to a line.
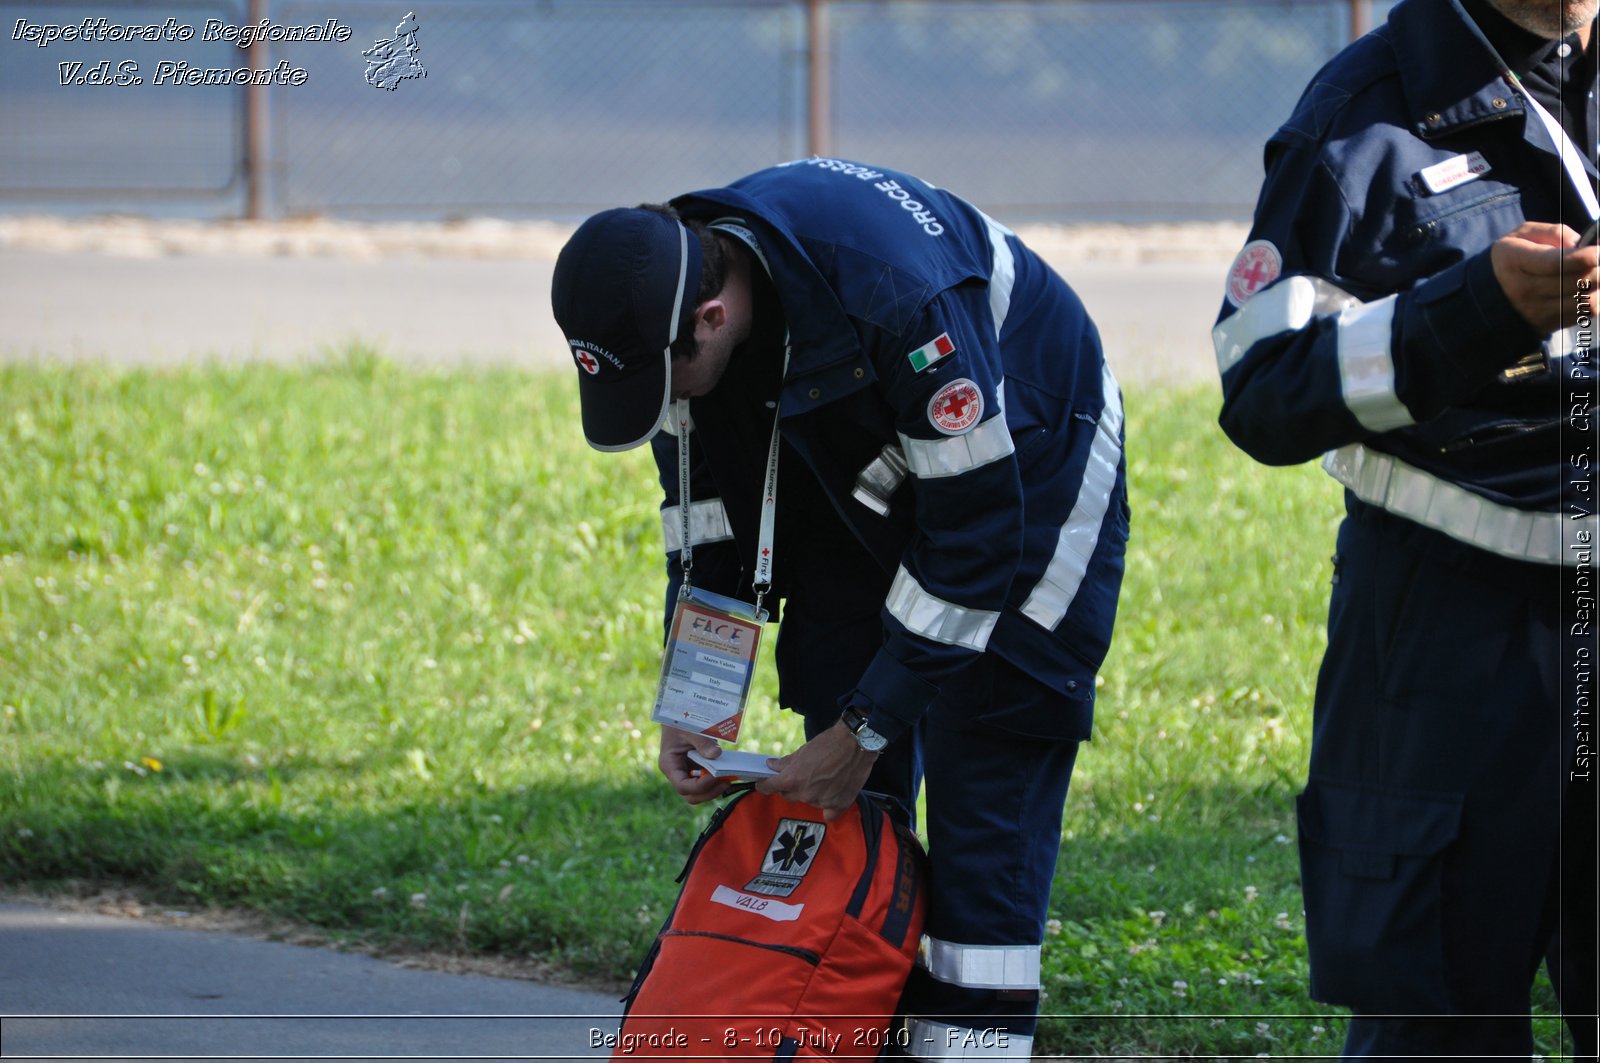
(769,501)
(1564,341)
(1571,157)
(769,490)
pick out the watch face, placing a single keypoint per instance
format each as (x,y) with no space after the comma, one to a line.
(866,737)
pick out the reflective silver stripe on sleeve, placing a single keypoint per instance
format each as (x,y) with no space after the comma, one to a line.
(932,1040)
(1048,602)
(954,455)
(984,966)
(934,618)
(877,483)
(1366,365)
(1002,273)
(1287,306)
(1382,480)
(708,523)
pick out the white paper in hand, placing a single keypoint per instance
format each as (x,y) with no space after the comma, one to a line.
(734,764)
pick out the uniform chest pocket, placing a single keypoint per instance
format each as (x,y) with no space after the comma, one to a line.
(1463,220)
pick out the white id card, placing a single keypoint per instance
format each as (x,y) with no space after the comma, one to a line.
(708,665)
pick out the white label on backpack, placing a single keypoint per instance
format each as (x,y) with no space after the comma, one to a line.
(777,911)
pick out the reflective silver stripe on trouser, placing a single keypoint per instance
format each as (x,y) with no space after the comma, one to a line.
(984,966)
(1366,365)
(1387,482)
(930,1040)
(708,523)
(1287,306)
(1048,602)
(975,967)
(934,618)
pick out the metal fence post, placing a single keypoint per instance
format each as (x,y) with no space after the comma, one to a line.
(255,123)
(1360,18)
(819,102)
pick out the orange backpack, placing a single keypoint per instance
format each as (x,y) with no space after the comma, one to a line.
(791,937)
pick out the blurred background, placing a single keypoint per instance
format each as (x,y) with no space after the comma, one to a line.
(1126,133)
(1051,110)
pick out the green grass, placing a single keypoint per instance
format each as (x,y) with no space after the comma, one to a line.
(372,649)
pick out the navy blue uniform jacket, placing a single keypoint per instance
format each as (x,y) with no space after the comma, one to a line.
(1363,318)
(918,324)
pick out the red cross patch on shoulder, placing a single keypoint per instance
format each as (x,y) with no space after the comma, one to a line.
(1257,265)
(956,407)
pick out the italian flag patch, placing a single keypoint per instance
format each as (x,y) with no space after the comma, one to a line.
(931,353)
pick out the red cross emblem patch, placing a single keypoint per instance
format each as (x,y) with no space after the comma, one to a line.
(956,407)
(1257,266)
(586,361)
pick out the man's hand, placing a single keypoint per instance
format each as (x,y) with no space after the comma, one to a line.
(692,782)
(1540,268)
(827,772)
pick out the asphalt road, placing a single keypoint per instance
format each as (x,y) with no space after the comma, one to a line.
(77,986)
(1155,319)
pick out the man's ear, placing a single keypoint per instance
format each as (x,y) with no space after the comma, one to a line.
(713,314)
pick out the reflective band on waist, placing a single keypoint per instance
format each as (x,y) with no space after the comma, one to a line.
(1524,535)
(934,618)
(1049,601)
(1366,366)
(984,966)
(954,455)
(930,1040)
(708,523)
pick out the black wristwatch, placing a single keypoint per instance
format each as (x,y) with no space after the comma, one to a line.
(868,739)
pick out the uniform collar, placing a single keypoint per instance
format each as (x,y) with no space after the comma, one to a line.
(1521,49)
(819,330)
(1451,74)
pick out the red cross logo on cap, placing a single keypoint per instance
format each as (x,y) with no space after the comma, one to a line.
(586,361)
(956,407)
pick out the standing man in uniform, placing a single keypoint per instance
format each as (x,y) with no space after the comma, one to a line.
(1404,305)
(950,524)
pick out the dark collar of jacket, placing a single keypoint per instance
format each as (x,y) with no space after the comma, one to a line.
(823,342)
(1450,73)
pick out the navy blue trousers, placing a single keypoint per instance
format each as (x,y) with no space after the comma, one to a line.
(1447,830)
(996,789)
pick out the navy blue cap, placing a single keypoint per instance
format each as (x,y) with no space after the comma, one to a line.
(623,293)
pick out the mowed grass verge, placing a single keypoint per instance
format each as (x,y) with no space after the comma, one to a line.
(372,649)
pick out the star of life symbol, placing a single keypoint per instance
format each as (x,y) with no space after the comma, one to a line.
(391,62)
(790,854)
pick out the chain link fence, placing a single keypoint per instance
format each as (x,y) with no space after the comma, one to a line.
(1110,110)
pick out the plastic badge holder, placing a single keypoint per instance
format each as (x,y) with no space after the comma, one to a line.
(708,665)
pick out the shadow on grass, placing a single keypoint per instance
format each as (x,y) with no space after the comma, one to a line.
(1168,937)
